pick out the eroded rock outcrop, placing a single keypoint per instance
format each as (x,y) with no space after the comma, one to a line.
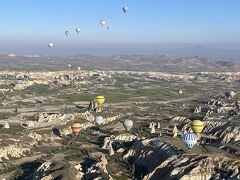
(98,170)
(13,151)
(125,137)
(52,169)
(153,159)
(199,167)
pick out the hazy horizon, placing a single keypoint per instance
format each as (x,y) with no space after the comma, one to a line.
(208,51)
(202,28)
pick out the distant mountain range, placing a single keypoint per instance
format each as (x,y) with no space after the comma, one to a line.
(118,62)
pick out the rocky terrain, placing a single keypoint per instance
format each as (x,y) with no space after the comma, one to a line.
(38,107)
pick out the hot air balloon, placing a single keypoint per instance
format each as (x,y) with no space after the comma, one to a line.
(180,92)
(183,105)
(78,30)
(19,80)
(103,22)
(197,126)
(100,100)
(231,94)
(237,104)
(66,33)
(189,139)
(50,45)
(76,128)
(99,120)
(69,65)
(128,124)
(125,9)
(108,27)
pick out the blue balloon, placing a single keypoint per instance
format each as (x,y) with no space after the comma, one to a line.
(189,139)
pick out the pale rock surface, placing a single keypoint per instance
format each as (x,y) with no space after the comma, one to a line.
(35,136)
(125,137)
(6,125)
(15,151)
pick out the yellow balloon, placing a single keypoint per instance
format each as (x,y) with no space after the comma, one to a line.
(197,126)
(100,100)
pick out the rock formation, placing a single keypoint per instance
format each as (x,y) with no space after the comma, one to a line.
(153,128)
(175,131)
(14,151)
(6,125)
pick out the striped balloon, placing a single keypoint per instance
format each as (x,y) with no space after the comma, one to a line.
(189,139)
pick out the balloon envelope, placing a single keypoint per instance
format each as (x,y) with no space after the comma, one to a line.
(103,22)
(189,139)
(100,100)
(125,9)
(231,94)
(99,120)
(197,126)
(50,45)
(180,92)
(66,33)
(128,124)
(76,128)
(78,29)
(19,80)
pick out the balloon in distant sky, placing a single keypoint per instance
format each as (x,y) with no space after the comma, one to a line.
(66,33)
(103,22)
(125,9)
(108,27)
(50,45)
(78,30)
(69,65)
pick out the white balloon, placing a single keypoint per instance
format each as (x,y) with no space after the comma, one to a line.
(103,22)
(66,33)
(78,29)
(99,120)
(125,9)
(128,124)
(231,94)
(50,45)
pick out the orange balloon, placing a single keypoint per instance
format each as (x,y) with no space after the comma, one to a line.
(76,128)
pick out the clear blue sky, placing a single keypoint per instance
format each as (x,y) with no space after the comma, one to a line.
(31,24)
